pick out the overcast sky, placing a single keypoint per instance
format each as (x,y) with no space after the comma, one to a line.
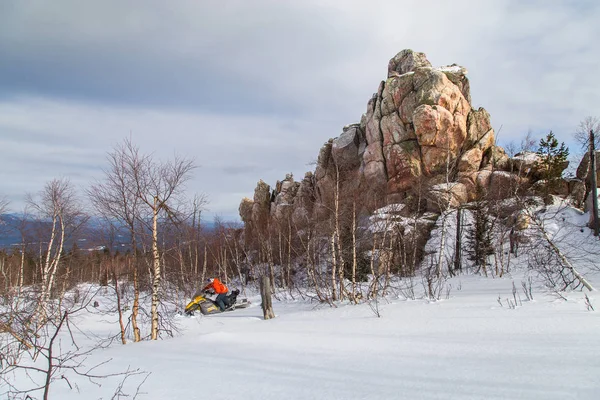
(252,89)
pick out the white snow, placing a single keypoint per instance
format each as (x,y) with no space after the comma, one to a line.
(503,173)
(452,68)
(527,156)
(388,218)
(466,346)
(390,208)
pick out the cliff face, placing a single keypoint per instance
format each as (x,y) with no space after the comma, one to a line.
(420,121)
(419,132)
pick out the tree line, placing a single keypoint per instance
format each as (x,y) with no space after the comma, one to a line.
(357,249)
(170,251)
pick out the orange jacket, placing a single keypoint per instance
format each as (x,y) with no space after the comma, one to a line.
(217,286)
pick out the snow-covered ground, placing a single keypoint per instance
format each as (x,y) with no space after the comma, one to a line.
(468,345)
(464,347)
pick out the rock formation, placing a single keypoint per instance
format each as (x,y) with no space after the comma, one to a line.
(419,131)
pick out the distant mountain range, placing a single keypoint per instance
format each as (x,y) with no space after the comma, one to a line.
(91,237)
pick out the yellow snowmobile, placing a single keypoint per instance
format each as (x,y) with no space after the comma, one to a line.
(208,306)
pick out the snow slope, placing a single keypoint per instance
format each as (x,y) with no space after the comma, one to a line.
(465,347)
(469,345)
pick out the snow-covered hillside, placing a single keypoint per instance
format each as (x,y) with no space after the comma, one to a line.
(465,347)
(481,340)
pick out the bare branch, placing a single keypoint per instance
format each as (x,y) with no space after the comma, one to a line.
(582,134)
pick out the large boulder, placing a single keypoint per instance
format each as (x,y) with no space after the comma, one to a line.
(577,191)
(557,186)
(503,184)
(434,88)
(440,134)
(470,161)
(496,158)
(444,196)
(405,61)
(526,163)
(323,160)
(344,149)
(418,117)
(530,164)
(468,180)
(403,165)
(304,201)
(583,170)
(261,206)
(480,132)
(458,75)
(285,192)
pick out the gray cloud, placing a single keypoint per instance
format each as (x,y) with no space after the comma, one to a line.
(253,89)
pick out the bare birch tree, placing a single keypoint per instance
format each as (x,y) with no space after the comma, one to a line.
(582,134)
(56,205)
(157,185)
(562,265)
(115,199)
(139,190)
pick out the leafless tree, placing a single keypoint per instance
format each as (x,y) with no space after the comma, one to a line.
(157,185)
(140,192)
(3,205)
(58,206)
(554,255)
(38,352)
(528,143)
(115,199)
(588,135)
(582,134)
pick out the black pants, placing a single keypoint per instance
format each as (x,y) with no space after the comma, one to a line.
(220,300)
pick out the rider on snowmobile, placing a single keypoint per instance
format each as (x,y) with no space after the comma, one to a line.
(220,289)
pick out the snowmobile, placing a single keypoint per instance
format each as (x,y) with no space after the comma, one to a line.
(208,306)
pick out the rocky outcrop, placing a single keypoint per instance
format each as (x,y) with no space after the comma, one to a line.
(346,148)
(419,133)
(285,192)
(444,196)
(420,122)
(304,201)
(255,213)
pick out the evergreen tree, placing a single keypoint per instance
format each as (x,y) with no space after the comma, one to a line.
(552,161)
(479,238)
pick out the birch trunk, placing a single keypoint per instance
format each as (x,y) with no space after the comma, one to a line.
(280,243)
(333,269)
(51,266)
(270,263)
(156,272)
(312,269)
(354,256)
(22,267)
(135,309)
(121,325)
(373,288)
(338,240)
(204,265)
(46,268)
(565,261)
(289,260)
